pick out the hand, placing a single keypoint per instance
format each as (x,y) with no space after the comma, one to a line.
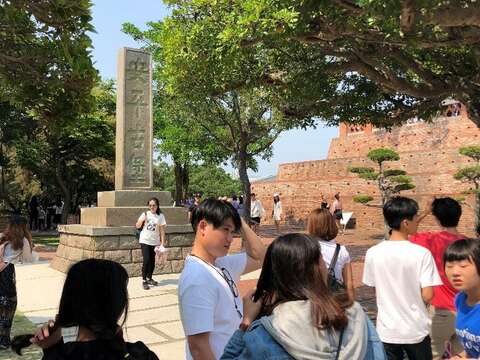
(44,337)
(251,309)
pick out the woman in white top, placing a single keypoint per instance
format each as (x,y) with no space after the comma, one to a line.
(321,225)
(15,247)
(277,211)
(153,224)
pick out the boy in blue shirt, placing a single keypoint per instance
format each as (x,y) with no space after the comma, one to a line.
(462,267)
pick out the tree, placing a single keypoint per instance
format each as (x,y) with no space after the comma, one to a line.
(45,63)
(15,126)
(238,125)
(343,60)
(207,179)
(180,138)
(213,181)
(389,181)
(471,174)
(75,159)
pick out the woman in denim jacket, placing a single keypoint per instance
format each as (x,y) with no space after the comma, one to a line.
(296,315)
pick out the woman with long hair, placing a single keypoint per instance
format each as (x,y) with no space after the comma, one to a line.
(93,308)
(152,224)
(15,247)
(277,211)
(322,227)
(293,315)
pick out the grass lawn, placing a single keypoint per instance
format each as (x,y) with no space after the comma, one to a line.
(46,240)
(21,325)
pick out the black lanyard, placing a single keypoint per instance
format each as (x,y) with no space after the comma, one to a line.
(224,277)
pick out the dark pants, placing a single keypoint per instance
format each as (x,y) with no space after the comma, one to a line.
(420,351)
(148,253)
(8,303)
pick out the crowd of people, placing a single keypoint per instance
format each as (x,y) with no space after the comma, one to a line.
(427,289)
(43,215)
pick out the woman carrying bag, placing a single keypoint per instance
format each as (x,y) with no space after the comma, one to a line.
(152,239)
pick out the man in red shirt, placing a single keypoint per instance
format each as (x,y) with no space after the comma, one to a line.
(447,212)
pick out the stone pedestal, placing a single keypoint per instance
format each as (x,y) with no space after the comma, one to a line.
(78,242)
(108,231)
(102,233)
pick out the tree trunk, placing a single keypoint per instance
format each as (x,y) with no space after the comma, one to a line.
(182,181)
(385,197)
(242,173)
(185,180)
(477,209)
(67,196)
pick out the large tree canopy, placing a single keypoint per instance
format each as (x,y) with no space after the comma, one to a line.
(344,60)
(45,64)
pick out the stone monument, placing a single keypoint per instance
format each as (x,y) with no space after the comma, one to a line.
(107,231)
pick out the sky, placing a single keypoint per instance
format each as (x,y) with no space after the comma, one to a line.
(108,17)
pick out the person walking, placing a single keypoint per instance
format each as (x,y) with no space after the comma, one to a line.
(277,211)
(256,212)
(337,211)
(152,224)
(15,247)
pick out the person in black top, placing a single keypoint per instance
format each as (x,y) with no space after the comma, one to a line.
(94,298)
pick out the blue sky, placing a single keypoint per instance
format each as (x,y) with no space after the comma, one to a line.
(108,17)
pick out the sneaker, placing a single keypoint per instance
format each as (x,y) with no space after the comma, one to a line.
(145,285)
(152,282)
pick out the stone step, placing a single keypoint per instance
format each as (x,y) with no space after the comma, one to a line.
(132,198)
(125,216)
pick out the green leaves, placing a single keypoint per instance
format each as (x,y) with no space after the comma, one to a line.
(469,174)
(362,199)
(383,154)
(471,151)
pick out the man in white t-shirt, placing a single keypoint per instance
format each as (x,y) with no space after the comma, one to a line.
(256,212)
(210,305)
(403,275)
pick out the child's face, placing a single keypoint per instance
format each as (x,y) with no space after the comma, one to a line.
(463,274)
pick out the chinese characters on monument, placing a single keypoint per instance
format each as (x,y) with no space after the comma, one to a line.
(134,121)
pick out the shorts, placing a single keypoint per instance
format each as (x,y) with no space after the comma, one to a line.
(338,214)
(255,220)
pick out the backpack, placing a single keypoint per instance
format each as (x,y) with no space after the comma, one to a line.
(333,283)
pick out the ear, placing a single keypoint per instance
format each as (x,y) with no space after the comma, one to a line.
(202,226)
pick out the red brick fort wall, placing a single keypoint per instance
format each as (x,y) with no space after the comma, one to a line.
(428,153)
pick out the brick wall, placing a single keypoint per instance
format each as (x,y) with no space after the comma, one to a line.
(428,152)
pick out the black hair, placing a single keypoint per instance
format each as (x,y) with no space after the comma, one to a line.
(215,212)
(240,199)
(464,249)
(291,271)
(234,197)
(398,209)
(94,296)
(156,202)
(447,211)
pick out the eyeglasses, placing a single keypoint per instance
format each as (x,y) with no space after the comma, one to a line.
(233,288)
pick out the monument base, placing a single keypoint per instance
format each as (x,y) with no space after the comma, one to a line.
(78,242)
